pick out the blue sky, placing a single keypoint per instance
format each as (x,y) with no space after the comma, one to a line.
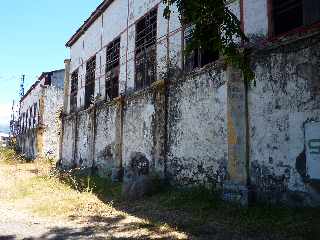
(33,34)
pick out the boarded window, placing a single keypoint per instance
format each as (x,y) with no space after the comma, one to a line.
(90,81)
(198,57)
(290,14)
(145,53)
(74,91)
(113,69)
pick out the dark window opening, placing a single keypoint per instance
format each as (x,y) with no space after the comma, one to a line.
(287,15)
(145,53)
(34,114)
(22,123)
(113,69)
(90,81)
(30,117)
(74,91)
(26,123)
(48,79)
(198,58)
(290,14)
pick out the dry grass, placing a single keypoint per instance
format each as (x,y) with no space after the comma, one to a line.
(31,187)
(167,215)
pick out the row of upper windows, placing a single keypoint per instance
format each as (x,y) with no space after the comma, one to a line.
(28,119)
(145,62)
(286,15)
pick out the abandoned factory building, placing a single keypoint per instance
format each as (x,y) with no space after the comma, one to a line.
(39,122)
(131,93)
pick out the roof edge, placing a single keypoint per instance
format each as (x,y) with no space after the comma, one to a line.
(33,86)
(87,23)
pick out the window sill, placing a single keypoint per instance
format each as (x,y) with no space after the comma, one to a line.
(216,65)
(297,32)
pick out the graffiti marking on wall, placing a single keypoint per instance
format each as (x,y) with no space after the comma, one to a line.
(312,135)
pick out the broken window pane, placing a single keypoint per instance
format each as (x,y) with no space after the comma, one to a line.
(113,69)
(145,58)
(90,81)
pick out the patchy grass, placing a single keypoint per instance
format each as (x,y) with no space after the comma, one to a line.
(9,156)
(204,207)
(84,200)
(196,211)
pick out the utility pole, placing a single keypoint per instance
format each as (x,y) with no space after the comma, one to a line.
(13,121)
(22,86)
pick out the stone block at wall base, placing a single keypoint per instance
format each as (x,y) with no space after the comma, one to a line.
(289,198)
(237,193)
(137,188)
(117,175)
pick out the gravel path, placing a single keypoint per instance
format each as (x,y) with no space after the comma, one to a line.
(16,224)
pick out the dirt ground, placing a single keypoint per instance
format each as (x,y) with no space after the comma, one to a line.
(37,207)
(95,220)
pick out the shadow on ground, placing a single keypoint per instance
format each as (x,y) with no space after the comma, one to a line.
(8,237)
(98,227)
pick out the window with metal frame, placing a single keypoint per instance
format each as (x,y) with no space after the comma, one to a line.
(74,91)
(30,118)
(34,114)
(22,123)
(113,69)
(90,81)
(19,125)
(290,14)
(198,57)
(145,51)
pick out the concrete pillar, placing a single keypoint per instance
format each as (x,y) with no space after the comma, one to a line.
(236,187)
(117,171)
(65,104)
(66,86)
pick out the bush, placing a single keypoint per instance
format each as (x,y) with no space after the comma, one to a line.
(10,156)
(83,180)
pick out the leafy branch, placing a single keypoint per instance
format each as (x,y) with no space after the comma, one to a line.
(215,29)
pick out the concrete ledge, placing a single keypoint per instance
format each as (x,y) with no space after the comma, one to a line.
(236,193)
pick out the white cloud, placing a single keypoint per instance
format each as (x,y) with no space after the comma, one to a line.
(5,113)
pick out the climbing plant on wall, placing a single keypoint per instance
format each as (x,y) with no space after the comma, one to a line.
(215,29)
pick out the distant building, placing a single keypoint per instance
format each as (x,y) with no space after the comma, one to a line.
(4,139)
(38,123)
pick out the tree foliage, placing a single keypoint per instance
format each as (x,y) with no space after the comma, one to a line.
(215,29)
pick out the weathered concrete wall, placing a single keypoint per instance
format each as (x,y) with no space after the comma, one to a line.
(285,99)
(27,143)
(57,79)
(197,128)
(95,40)
(53,104)
(205,127)
(68,142)
(144,128)
(255,17)
(84,139)
(44,122)
(106,145)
